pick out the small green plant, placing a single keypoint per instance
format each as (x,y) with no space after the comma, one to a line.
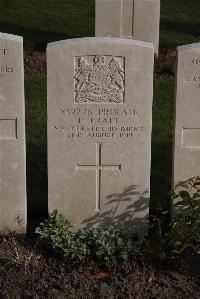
(56,232)
(104,244)
(112,245)
(159,224)
(185,229)
(56,226)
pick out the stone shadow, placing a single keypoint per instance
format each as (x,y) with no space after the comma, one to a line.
(128,218)
(180,27)
(35,38)
(161,173)
(37,188)
(38,38)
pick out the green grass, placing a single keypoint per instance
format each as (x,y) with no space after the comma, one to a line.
(180,22)
(36,139)
(43,21)
(162,132)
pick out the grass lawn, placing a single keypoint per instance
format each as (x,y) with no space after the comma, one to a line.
(36,136)
(180,22)
(162,132)
(42,21)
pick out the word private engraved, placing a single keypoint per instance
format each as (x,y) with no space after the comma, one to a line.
(99,79)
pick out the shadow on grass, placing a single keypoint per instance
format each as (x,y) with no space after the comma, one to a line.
(34,38)
(180,27)
(69,19)
(162,134)
(36,146)
(161,172)
(37,188)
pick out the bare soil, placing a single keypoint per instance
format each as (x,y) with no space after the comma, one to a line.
(28,270)
(34,62)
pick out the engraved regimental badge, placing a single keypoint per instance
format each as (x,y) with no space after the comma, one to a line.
(99,79)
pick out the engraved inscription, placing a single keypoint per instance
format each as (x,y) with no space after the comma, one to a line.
(191,138)
(99,79)
(96,122)
(192,73)
(98,168)
(196,61)
(194,78)
(4,68)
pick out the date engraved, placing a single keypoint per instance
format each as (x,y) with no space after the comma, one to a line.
(99,79)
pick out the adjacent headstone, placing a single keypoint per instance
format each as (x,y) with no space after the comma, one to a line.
(12,135)
(187,111)
(136,19)
(99,131)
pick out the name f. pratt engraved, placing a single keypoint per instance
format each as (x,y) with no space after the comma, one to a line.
(99,79)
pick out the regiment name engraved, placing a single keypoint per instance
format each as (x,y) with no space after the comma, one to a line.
(99,79)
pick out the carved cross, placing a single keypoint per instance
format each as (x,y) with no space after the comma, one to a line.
(98,168)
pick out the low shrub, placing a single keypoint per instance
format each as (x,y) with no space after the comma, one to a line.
(112,245)
(104,244)
(55,231)
(185,228)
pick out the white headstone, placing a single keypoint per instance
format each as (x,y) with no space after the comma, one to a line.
(99,130)
(136,19)
(187,111)
(12,135)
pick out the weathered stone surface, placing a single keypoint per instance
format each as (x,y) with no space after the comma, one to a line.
(187,109)
(137,19)
(12,135)
(99,130)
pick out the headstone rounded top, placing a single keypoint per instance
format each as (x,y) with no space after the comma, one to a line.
(13,202)
(123,41)
(189,47)
(12,37)
(100,93)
